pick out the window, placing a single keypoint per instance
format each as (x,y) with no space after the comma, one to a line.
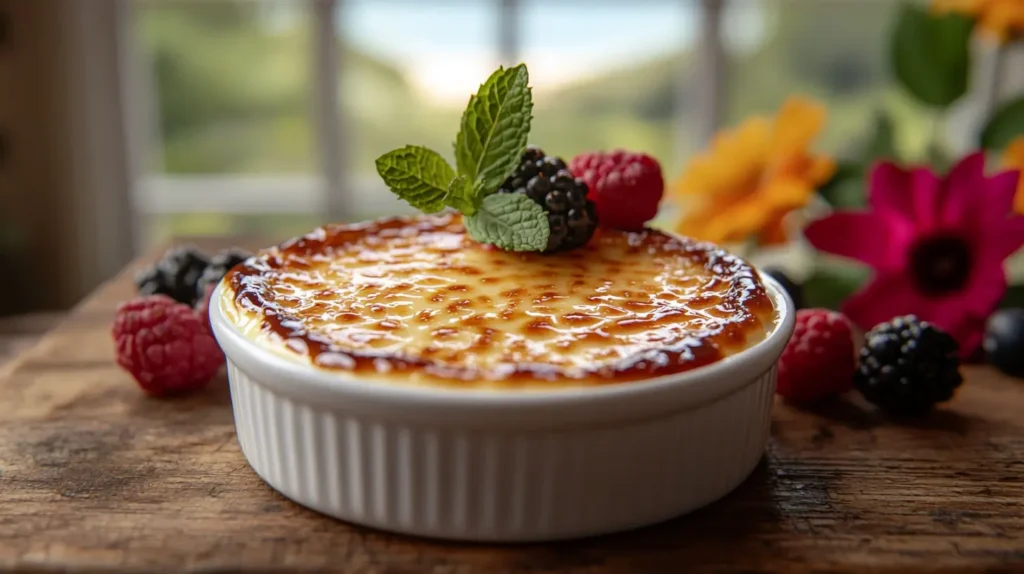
(264,116)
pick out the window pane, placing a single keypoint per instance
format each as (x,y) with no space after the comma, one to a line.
(231,83)
(267,228)
(407,73)
(609,75)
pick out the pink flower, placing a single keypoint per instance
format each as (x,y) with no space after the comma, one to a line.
(936,245)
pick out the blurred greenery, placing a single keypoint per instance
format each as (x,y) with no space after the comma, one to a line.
(931,54)
(832,282)
(1005,124)
(233,86)
(232,90)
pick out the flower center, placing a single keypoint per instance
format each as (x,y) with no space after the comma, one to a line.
(940,264)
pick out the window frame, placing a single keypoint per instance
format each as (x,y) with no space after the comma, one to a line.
(327,191)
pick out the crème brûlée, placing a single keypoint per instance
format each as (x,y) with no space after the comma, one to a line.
(415,300)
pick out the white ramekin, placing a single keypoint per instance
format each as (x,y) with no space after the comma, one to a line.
(502,465)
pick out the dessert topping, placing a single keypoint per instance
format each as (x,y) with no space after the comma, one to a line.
(489,147)
(626,186)
(572,216)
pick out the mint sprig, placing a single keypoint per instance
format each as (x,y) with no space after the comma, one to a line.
(491,140)
(510,221)
(460,195)
(418,175)
(494,129)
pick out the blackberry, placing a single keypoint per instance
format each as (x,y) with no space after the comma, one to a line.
(175,275)
(218,267)
(572,217)
(907,365)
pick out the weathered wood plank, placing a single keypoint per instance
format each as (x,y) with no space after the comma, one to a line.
(95,476)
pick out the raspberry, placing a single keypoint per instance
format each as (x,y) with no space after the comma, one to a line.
(544,179)
(907,365)
(819,359)
(164,346)
(626,186)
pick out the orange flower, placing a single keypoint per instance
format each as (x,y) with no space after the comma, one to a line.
(753,176)
(1000,19)
(1013,158)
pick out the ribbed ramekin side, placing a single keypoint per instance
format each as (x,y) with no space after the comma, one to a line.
(476,483)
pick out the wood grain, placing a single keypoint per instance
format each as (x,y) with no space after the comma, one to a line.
(96,477)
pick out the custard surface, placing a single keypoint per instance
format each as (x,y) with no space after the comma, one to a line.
(415,300)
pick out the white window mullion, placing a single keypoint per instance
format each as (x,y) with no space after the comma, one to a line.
(711,72)
(509,31)
(327,116)
(96,48)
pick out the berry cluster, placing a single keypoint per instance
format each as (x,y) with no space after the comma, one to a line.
(905,365)
(572,217)
(185,274)
(163,336)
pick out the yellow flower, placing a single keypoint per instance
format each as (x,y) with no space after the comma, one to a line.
(1013,158)
(1000,19)
(753,176)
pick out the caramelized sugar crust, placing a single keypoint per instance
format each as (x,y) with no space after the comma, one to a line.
(415,299)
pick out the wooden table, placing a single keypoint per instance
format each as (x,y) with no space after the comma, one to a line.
(22,331)
(95,476)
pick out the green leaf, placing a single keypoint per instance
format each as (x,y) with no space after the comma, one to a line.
(882,144)
(460,196)
(510,221)
(931,55)
(494,129)
(1005,124)
(846,189)
(832,284)
(417,175)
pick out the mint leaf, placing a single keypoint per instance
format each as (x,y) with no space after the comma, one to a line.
(417,175)
(510,221)
(460,196)
(494,129)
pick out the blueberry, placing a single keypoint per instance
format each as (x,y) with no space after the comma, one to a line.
(794,289)
(1004,341)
